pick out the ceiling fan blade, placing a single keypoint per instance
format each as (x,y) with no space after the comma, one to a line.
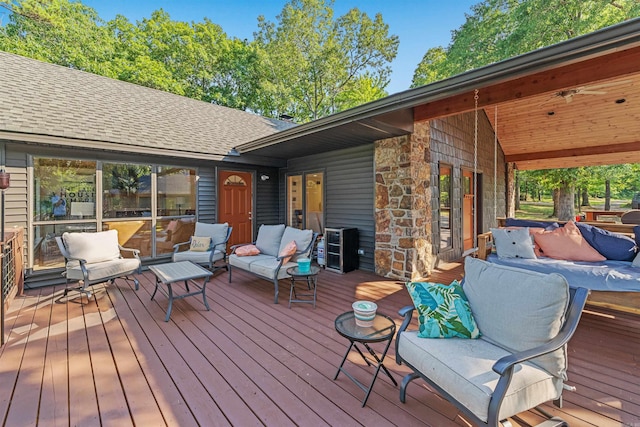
(605,85)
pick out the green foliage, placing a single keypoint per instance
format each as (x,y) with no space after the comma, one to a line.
(500,29)
(316,65)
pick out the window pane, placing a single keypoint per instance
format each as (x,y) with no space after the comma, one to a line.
(172,231)
(314,187)
(445,206)
(64,189)
(176,191)
(45,249)
(294,201)
(132,234)
(126,190)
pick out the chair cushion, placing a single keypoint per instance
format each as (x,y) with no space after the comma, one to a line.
(301,237)
(197,257)
(513,242)
(104,270)
(269,237)
(518,309)
(93,247)
(200,244)
(217,232)
(463,369)
(443,310)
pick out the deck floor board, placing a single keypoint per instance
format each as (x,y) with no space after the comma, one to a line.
(247,361)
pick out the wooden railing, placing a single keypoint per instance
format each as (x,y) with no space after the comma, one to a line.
(12,272)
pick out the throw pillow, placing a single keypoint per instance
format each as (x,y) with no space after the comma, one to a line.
(247,250)
(513,242)
(200,244)
(443,310)
(566,243)
(611,245)
(636,261)
(288,251)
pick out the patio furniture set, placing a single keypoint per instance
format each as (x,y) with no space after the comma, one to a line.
(521,320)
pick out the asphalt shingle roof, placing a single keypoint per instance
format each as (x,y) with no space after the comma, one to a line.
(47,99)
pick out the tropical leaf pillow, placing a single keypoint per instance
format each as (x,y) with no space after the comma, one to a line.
(443,310)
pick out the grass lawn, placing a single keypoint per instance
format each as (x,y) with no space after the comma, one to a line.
(543,209)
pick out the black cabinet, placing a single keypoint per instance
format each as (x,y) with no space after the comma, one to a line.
(341,249)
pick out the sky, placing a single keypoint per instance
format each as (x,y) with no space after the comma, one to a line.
(419,24)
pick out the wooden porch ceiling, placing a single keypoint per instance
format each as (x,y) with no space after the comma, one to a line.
(567,116)
(115,362)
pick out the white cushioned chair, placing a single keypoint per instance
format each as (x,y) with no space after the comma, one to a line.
(271,241)
(525,319)
(93,258)
(217,250)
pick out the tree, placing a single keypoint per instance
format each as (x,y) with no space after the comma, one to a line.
(315,65)
(501,29)
(58,31)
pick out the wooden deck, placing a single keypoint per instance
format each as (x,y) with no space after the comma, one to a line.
(115,362)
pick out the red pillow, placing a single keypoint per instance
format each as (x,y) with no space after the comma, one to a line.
(566,243)
(288,251)
(247,250)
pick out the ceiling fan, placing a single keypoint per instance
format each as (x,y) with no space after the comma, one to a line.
(568,94)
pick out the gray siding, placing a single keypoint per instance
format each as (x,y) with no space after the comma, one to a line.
(207,195)
(266,207)
(349,192)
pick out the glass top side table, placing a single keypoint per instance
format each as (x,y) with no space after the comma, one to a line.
(382,329)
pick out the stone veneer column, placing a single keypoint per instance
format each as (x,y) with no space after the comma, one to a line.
(403,206)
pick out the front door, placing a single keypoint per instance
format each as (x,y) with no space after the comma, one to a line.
(234,205)
(467,210)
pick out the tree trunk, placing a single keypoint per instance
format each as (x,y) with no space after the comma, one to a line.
(517,201)
(585,197)
(554,195)
(607,195)
(566,212)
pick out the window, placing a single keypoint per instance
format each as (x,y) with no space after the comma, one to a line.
(305,201)
(445,190)
(126,190)
(152,207)
(64,189)
(176,191)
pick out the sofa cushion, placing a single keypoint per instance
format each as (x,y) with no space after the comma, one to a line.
(443,310)
(611,245)
(518,309)
(513,242)
(104,269)
(217,232)
(301,237)
(566,243)
(93,247)
(244,262)
(269,238)
(266,267)
(463,369)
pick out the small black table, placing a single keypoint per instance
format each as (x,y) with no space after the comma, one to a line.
(310,277)
(382,329)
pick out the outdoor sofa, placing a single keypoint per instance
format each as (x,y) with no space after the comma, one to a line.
(270,256)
